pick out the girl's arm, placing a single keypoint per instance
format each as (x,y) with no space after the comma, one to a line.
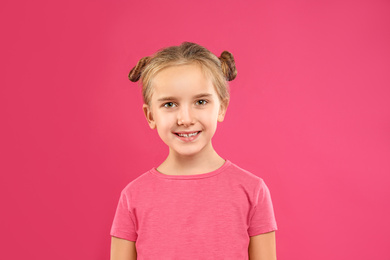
(262,247)
(122,249)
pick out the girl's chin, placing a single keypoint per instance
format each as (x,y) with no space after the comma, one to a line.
(190,151)
(185,153)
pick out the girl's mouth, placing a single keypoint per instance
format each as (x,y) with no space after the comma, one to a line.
(187,135)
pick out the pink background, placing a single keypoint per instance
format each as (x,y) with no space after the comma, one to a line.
(309,113)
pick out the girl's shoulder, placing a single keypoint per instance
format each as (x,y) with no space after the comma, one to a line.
(137,182)
(244,174)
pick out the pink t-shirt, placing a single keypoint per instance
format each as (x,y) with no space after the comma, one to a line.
(202,216)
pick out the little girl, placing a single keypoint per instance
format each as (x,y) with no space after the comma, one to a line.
(196,204)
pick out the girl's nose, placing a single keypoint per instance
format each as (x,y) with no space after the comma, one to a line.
(185,116)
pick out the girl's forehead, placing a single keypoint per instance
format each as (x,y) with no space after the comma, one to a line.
(182,80)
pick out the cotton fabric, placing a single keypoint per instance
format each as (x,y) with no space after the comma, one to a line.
(202,216)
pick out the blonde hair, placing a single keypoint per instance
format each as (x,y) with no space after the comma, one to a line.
(219,69)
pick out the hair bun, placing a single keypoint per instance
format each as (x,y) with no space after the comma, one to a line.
(228,65)
(135,73)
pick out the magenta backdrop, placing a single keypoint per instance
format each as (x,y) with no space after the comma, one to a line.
(309,113)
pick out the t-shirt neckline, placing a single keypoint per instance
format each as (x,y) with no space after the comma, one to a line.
(191,176)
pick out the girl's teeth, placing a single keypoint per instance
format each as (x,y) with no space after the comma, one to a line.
(189,135)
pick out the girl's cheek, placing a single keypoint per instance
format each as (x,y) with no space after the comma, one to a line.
(168,116)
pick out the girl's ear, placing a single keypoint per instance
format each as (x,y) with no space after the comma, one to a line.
(222,111)
(149,116)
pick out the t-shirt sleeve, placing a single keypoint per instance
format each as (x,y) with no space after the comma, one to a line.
(123,225)
(262,215)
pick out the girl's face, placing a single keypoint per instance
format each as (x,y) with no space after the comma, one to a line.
(185,109)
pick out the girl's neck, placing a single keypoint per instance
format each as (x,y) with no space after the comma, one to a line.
(200,163)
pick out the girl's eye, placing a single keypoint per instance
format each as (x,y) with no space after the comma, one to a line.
(202,102)
(169,104)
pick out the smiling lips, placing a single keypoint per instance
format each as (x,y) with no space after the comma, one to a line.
(187,136)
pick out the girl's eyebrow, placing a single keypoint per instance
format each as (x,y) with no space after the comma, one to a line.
(196,96)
